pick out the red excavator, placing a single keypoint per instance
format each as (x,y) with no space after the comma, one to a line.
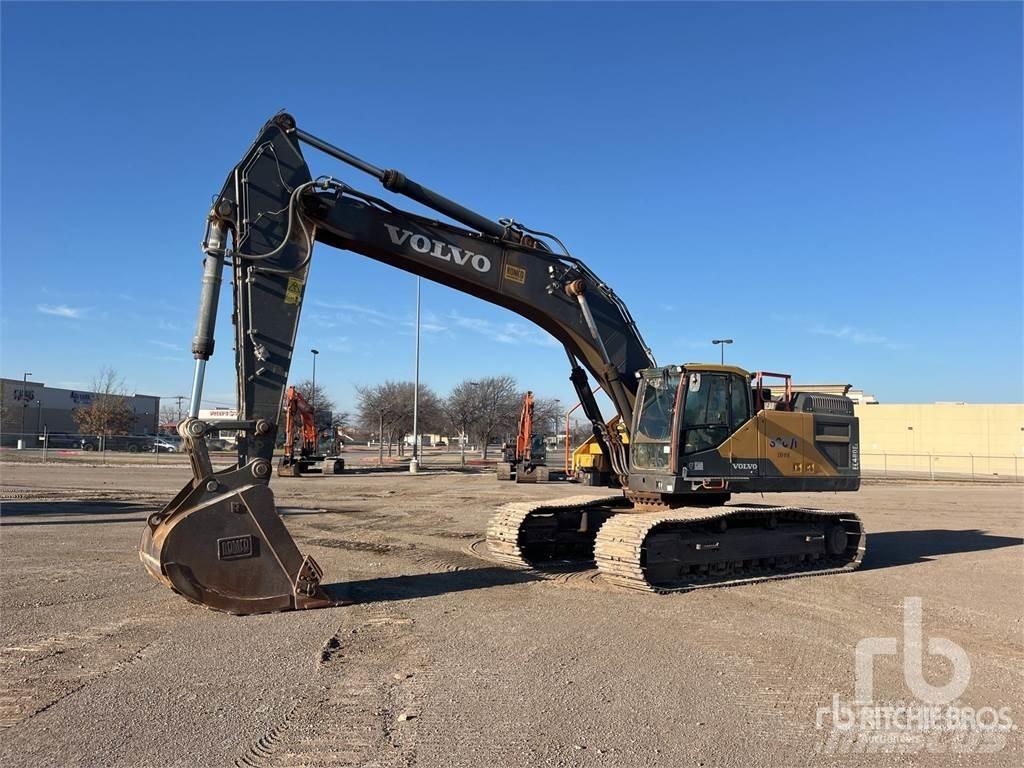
(698,432)
(300,421)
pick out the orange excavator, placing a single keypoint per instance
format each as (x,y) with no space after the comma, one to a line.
(300,420)
(525,461)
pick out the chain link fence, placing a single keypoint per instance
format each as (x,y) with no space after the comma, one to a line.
(63,447)
(942,466)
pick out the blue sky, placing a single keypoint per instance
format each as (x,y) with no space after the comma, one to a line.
(836,187)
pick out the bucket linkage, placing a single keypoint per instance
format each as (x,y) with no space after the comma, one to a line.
(221,543)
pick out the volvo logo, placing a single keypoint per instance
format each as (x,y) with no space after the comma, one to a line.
(439,249)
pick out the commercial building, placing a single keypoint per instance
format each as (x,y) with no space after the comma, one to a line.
(939,438)
(33,407)
(936,439)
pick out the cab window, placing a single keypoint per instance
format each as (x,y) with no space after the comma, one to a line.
(651,446)
(706,412)
(739,400)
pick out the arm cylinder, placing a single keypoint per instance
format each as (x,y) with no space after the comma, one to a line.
(395,181)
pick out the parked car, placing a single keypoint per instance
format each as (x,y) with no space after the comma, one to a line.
(218,444)
(61,440)
(166,445)
(129,443)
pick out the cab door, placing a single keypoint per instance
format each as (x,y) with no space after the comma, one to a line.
(705,423)
(746,443)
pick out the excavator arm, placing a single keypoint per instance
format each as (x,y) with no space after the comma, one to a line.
(220,542)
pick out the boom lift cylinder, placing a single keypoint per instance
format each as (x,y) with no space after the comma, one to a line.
(209,297)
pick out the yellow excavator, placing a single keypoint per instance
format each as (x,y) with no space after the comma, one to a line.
(698,433)
(586,464)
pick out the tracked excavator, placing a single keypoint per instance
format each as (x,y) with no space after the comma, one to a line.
(699,433)
(525,460)
(302,441)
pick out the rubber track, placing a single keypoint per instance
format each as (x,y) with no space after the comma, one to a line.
(619,548)
(503,528)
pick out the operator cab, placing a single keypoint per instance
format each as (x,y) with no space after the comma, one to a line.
(708,430)
(685,410)
(538,449)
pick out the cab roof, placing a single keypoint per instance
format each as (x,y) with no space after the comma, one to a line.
(716,368)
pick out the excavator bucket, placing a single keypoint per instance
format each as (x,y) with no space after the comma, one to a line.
(221,543)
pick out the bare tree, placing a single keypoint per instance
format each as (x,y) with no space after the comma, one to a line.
(109,412)
(462,412)
(547,416)
(376,413)
(491,407)
(169,413)
(388,409)
(430,413)
(498,404)
(340,420)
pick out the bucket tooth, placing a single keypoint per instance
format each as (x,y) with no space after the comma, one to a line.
(221,544)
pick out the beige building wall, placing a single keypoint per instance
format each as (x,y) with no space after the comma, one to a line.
(943,438)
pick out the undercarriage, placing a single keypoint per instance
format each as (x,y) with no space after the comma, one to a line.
(676,549)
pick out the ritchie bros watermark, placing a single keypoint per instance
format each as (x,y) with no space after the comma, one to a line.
(933,719)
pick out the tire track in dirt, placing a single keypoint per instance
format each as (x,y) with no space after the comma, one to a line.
(16,494)
(362,702)
(36,694)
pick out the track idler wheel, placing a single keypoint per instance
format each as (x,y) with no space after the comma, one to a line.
(836,539)
(221,543)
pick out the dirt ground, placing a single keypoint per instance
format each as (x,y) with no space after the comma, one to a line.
(451,660)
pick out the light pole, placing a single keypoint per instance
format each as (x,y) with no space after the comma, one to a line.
(722,343)
(414,464)
(554,418)
(312,389)
(24,399)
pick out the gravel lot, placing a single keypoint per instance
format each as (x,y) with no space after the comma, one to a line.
(450,660)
